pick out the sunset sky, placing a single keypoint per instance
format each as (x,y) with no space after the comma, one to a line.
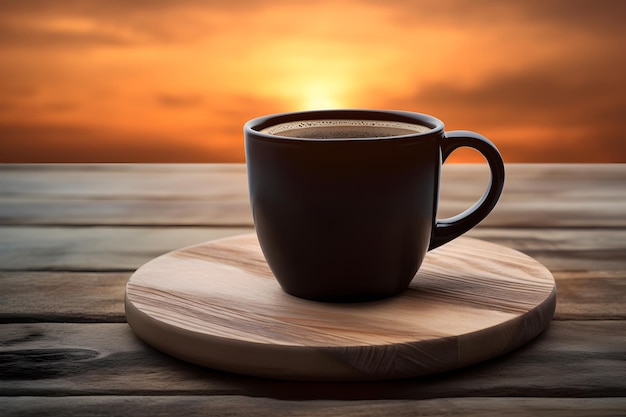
(174,81)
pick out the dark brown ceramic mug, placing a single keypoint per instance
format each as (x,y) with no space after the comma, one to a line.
(344,201)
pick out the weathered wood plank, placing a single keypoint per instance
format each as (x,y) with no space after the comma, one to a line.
(62,297)
(234,405)
(564,249)
(99,297)
(570,359)
(234,210)
(534,195)
(193,180)
(124,194)
(96,248)
(537,195)
(127,248)
(223,211)
(594,295)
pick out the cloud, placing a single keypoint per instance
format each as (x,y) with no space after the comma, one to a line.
(541,95)
(565,111)
(598,17)
(73,143)
(83,25)
(123,7)
(180,100)
(593,16)
(76,23)
(167,136)
(120,22)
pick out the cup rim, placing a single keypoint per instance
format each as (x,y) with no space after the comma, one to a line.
(254,126)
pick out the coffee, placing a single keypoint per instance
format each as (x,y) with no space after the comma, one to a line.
(344,129)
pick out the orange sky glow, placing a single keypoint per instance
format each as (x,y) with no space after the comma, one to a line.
(159,81)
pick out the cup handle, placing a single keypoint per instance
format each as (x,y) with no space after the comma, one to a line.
(448,229)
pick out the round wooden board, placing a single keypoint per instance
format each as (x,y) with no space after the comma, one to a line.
(217,304)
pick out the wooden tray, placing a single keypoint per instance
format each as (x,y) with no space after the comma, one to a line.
(218,305)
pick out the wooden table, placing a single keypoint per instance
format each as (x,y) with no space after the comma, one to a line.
(71,236)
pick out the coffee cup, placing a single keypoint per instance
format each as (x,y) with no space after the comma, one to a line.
(344,202)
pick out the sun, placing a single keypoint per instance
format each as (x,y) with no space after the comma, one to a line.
(322,95)
(320,100)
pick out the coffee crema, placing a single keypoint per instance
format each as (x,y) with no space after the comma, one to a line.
(344,129)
